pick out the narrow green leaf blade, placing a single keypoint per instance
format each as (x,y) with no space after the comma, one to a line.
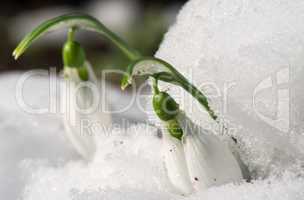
(161,70)
(81,21)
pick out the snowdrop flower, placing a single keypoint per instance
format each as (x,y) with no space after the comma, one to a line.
(80,100)
(210,162)
(173,153)
(80,103)
(80,79)
(194,158)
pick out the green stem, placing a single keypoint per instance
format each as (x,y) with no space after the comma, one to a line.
(78,21)
(155,86)
(71,34)
(161,70)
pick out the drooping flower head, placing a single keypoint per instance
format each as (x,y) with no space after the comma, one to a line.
(194,157)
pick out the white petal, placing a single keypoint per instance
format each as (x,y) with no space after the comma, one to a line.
(209,160)
(77,122)
(91,73)
(175,164)
(235,149)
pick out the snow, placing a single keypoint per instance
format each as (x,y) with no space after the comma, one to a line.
(242,47)
(37,162)
(124,161)
(31,141)
(247,57)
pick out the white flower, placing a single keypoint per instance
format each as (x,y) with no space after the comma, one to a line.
(80,101)
(175,163)
(209,161)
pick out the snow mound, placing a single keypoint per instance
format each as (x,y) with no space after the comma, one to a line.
(128,166)
(247,57)
(37,162)
(127,160)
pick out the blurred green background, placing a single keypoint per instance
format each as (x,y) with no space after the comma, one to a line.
(142,23)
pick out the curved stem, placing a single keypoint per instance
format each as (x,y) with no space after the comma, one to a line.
(161,70)
(78,21)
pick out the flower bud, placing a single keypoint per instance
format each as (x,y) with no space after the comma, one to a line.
(73,54)
(165,106)
(83,73)
(174,129)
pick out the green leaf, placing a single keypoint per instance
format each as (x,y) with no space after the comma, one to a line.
(161,70)
(79,21)
(149,66)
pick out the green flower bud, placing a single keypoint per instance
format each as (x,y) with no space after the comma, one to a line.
(165,106)
(83,73)
(73,54)
(174,129)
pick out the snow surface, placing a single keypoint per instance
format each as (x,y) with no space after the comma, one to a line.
(247,56)
(38,163)
(249,43)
